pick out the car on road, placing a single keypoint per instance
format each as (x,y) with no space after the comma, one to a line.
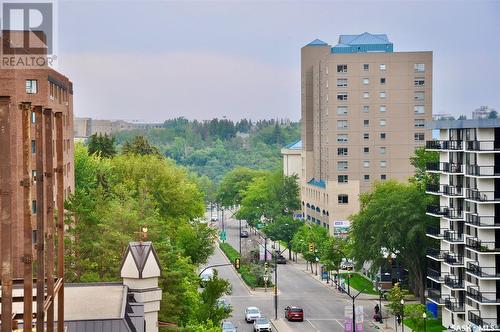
(228,326)
(294,313)
(224,304)
(244,234)
(280,259)
(262,325)
(213,219)
(206,276)
(251,314)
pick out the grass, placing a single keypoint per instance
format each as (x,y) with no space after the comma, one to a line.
(360,283)
(432,325)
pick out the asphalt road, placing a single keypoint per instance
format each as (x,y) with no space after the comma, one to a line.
(323,308)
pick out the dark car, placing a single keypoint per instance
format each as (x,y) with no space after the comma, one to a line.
(280,259)
(244,234)
(294,313)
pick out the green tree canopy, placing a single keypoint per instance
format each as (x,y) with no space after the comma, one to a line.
(234,184)
(140,146)
(283,228)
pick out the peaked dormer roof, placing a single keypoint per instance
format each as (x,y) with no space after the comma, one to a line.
(317,42)
(365,42)
(142,254)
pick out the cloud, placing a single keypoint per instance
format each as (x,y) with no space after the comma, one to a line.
(194,85)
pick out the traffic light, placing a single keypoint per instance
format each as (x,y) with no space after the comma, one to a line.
(237,263)
(311,247)
(266,265)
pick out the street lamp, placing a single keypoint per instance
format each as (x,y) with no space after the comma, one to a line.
(402,315)
(380,304)
(424,316)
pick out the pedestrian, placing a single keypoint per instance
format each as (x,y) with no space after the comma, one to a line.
(376,309)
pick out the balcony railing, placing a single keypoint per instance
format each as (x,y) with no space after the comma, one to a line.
(453,236)
(482,170)
(444,167)
(434,275)
(482,146)
(452,190)
(482,246)
(482,271)
(453,259)
(453,282)
(434,232)
(482,221)
(482,195)
(482,297)
(443,145)
(436,254)
(435,295)
(433,188)
(454,305)
(437,210)
(484,323)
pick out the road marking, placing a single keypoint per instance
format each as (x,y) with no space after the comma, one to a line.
(314,327)
(339,323)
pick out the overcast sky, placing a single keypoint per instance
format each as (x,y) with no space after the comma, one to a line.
(151,61)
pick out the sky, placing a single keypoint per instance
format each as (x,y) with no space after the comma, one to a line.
(154,60)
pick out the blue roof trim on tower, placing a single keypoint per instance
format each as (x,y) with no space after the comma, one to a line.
(317,183)
(317,42)
(365,42)
(297,145)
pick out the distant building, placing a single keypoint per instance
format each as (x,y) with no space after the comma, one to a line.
(292,159)
(85,127)
(482,112)
(442,116)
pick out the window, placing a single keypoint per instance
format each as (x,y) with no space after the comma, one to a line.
(383,163)
(419,137)
(383,122)
(366,163)
(342,151)
(366,150)
(366,95)
(341,82)
(326,70)
(382,94)
(383,150)
(343,199)
(419,95)
(366,109)
(419,123)
(366,177)
(342,96)
(342,110)
(341,68)
(33,146)
(33,117)
(343,179)
(419,81)
(382,109)
(382,136)
(419,109)
(366,136)
(420,67)
(382,66)
(341,124)
(342,138)
(366,81)
(382,80)
(383,177)
(366,123)
(327,83)
(33,206)
(33,174)
(342,165)
(366,67)
(31,86)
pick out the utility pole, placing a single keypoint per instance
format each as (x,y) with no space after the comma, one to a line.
(240,235)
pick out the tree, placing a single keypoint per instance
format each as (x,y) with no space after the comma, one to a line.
(493,114)
(234,184)
(419,161)
(395,296)
(102,145)
(462,117)
(332,251)
(214,289)
(392,219)
(140,146)
(283,228)
(309,235)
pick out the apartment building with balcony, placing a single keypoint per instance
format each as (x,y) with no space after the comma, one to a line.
(364,107)
(464,268)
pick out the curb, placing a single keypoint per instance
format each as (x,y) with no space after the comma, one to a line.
(250,290)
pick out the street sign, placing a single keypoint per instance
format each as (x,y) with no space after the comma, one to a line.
(259,226)
(223,236)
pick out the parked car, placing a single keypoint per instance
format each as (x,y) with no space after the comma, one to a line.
(244,234)
(251,314)
(206,276)
(280,259)
(213,219)
(262,325)
(228,326)
(223,303)
(294,313)
(346,265)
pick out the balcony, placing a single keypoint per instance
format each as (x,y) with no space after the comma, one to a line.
(453,259)
(482,221)
(491,146)
(437,211)
(454,305)
(443,145)
(434,275)
(482,195)
(444,167)
(448,190)
(453,282)
(435,296)
(482,297)
(482,272)
(486,171)
(436,254)
(486,324)
(434,232)
(433,189)
(481,246)
(453,236)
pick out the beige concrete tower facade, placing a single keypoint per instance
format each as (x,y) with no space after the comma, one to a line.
(363,113)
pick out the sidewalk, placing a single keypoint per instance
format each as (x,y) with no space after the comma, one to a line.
(368,301)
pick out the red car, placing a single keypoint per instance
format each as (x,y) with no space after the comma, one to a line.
(294,313)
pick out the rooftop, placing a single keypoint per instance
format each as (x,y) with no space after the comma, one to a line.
(460,124)
(297,145)
(317,183)
(362,43)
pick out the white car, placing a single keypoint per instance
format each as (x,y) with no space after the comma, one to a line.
(213,219)
(262,325)
(206,276)
(251,314)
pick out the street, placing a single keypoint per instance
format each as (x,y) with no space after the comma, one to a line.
(323,307)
